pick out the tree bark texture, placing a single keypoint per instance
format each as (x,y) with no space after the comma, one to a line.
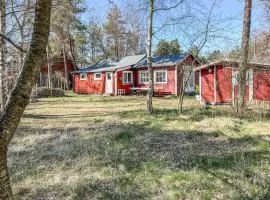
(149,58)
(241,101)
(72,52)
(20,95)
(3,53)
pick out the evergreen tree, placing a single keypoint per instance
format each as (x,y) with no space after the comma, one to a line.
(168,48)
(215,55)
(174,47)
(163,48)
(114,28)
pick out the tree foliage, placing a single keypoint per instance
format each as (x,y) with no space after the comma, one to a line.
(168,47)
(234,54)
(215,55)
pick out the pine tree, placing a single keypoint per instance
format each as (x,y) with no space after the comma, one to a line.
(114,28)
(168,48)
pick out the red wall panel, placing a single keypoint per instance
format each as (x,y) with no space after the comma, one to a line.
(89,86)
(224,84)
(207,85)
(168,87)
(120,84)
(261,85)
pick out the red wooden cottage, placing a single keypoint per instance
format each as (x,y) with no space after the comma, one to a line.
(120,77)
(219,82)
(57,73)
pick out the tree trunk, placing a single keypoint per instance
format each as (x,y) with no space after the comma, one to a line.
(49,67)
(66,68)
(241,102)
(72,51)
(3,53)
(20,95)
(183,86)
(149,58)
(5,187)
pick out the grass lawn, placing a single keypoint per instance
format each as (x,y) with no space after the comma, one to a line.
(96,147)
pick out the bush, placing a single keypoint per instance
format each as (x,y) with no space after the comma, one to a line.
(42,92)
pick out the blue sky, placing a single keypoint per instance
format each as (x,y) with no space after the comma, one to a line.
(225,8)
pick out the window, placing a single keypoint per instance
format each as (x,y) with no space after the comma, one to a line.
(97,76)
(83,76)
(143,77)
(127,77)
(161,76)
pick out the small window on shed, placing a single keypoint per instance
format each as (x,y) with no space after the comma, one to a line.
(97,76)
(83,76)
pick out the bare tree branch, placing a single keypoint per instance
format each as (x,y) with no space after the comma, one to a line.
(13,43)
(169,8)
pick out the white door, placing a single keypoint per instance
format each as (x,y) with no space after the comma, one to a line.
(108,85)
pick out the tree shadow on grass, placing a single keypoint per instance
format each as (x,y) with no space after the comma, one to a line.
(130,147)
(66,116)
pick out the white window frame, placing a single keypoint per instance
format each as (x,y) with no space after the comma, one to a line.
(81,76)
(166,76)
(95,78)
(131,75)
(143,72)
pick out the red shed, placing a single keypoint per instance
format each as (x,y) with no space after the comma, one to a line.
(57,73)
(218,81)
(121,76)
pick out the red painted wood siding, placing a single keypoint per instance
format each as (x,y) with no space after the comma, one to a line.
(168,87)
(224,84)
(207,85)
(261,85)
(58,67)
(89,86)
(120,84)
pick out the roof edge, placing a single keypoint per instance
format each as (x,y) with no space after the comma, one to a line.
(231,62)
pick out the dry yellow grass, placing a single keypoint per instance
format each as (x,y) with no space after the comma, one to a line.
(95,147)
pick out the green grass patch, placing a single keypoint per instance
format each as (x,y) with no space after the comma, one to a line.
(96,147)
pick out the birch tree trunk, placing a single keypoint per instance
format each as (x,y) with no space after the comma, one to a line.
(3,53)
(20,95)
(149,58)
(241,102)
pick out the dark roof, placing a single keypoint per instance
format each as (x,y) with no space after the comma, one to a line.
(168,60)
(112,64)
(104,65)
